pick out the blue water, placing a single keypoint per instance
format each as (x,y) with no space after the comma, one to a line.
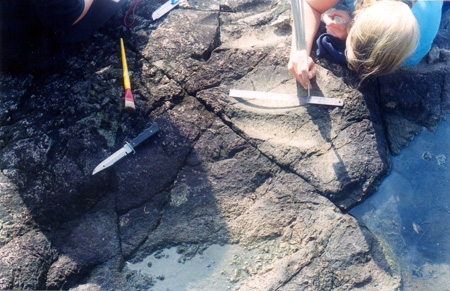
(411,210)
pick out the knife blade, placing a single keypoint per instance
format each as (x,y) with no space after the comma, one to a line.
(127,148)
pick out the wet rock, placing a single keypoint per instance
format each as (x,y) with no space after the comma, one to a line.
(199,185)
(15,218)
(105,276)
(154,167)
(413,97)
(442,38)
(427,156)
(433,55)
(441,159)
(420,103)
(182,42)
(417,96)
(136,224)
(12,92)
(84,243)
(400,131)
(276,215)
(271,178)
(330,138)
(25,260)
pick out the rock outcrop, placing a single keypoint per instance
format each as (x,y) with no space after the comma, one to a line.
(273,179)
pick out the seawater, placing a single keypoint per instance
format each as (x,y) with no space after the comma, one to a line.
(410,213)
(411,210)
(215,267)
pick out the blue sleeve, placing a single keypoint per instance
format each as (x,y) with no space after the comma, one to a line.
(428,15)
(350,3)
(59,14)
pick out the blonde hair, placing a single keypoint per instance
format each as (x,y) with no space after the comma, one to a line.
(383,34)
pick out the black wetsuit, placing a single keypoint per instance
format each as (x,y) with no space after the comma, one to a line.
(32,31)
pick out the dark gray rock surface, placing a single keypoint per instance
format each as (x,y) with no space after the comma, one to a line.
(416,97)
(273,179)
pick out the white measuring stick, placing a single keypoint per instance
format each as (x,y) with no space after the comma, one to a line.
(299,25)
(287,98)
(293,99)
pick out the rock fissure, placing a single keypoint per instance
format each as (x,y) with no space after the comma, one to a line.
(249,141)
(218,172)
(298,269)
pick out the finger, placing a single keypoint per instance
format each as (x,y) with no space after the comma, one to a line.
(334,25)
(305,79)
(296,73)
(290,67)
(299,78)
(312,71)
(302,81)
(332,31)
(292,71)
(336,29)
(330,15)
(336,12)
(327,19)
(344,15)
(302,73)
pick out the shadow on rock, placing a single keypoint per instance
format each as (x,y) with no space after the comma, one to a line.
(356,136)
(54,130)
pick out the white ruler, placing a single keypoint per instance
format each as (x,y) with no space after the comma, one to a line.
(288,98)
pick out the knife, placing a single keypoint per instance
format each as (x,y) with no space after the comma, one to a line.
(127,148)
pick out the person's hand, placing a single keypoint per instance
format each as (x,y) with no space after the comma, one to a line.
(335,27)
(302,67)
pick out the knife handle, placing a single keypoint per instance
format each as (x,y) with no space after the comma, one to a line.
(144,135)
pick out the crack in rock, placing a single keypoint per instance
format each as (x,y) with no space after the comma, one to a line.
(221,171)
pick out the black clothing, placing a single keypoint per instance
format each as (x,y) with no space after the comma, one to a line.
(32,31)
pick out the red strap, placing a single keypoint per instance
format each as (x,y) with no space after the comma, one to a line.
(134,5)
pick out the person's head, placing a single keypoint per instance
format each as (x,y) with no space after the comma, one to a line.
(382,36)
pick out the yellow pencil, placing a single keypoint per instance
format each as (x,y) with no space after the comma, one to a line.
(129,100)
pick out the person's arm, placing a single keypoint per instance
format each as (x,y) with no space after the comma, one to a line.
(300,65)
(60,14)
(87,5)
(313,11)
